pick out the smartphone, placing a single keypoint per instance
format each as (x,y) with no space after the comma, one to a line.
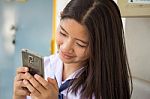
(33,61)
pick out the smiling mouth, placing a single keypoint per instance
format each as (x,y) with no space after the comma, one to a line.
(66,55)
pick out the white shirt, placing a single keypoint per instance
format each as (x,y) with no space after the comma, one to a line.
(53,68)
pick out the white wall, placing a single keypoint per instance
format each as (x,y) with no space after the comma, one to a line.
(138,49)
(60,6)
(138,46)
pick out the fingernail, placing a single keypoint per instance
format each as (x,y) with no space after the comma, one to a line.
(36,76)
(25,81)
(26,68)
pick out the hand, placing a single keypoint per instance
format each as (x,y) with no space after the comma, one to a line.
(40,88)
(19,91)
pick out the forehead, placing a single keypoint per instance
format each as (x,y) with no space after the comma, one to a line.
(74,29)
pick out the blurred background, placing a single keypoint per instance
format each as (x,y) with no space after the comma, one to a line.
(32,23)
(23,24)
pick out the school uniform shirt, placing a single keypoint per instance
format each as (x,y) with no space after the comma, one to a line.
(53,67)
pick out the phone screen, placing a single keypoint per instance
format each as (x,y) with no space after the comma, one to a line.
(33,61)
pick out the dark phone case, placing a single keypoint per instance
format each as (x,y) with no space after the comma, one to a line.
(33,61)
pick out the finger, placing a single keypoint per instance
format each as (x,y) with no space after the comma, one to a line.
(53,82)
(42,81)
(20,88)
(31,88)
(20,76)
(35,83)
(20,84)
(22,92)
(22,69)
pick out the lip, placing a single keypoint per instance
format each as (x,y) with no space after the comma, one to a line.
(66,55)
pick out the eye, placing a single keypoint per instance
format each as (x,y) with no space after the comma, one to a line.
(81,45)
(63,34)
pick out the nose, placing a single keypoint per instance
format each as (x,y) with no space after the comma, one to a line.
(67,46)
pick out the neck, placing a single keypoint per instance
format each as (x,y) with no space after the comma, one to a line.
(68,69)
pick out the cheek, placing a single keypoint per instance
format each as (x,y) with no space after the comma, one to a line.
(82,53)
(59,40)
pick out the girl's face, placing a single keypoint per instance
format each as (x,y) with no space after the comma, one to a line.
(72,41)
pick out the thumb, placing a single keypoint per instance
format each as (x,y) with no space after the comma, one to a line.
(53,82)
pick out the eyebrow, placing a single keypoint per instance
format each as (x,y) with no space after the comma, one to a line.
(75,38)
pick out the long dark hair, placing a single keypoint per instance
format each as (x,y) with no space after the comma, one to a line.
(107,73)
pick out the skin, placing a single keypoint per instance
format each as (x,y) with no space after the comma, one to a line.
(38,87)
(72,42)
(73,51)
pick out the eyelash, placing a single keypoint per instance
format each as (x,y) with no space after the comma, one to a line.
(80,45)
(62,34)
(76,43)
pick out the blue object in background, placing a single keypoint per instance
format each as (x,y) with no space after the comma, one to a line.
(33,23)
